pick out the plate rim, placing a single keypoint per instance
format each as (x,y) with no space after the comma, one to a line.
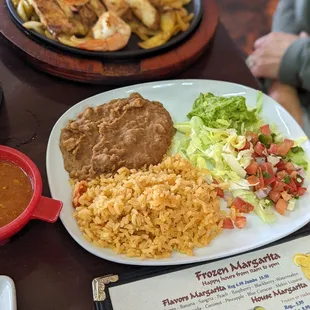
(122,259)
(116,55)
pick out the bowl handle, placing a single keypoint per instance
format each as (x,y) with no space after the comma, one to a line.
(47,210)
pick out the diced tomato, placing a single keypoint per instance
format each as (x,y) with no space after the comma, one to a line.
(274,195)
(247,208)
(238,202)
(294,174)
(220,192)
(240,221)
(259,148)
(280,165)
(268,173)
(301,191)
(80,190)
(228,223)
(253,136)
(281,175)
(281,206)
(253,180)
(265,130)
(285,147)
(252,168)
(273,149)
(242,206)
(286,196)
(292,187)
(289,167)
(246,146)
(278,186)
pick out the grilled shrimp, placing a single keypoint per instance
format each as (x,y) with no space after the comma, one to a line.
(110,33)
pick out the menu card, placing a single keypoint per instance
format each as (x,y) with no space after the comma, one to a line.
(277,277)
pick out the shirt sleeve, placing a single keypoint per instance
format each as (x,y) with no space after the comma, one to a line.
(295,65)
(284,18)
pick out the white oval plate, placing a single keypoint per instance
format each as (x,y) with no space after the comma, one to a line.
(178,97)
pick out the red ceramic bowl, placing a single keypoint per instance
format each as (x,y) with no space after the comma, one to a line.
(41,208)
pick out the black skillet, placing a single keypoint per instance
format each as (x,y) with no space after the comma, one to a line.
(131,51)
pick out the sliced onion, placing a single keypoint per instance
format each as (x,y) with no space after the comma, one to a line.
(260,160)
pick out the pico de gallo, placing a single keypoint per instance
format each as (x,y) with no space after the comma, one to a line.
(265,172)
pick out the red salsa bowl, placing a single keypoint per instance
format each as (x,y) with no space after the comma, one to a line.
(39,207)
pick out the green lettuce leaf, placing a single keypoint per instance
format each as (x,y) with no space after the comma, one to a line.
(298,156)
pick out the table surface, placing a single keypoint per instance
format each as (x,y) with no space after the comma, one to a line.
(49,269)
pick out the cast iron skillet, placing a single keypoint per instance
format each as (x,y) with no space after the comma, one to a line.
(132,50)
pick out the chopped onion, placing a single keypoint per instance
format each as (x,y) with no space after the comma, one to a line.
(260,160)
(227,195)
(262,193)
(274,160)
(302,172)
(275,170)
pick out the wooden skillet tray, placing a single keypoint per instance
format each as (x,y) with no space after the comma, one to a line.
(99,71)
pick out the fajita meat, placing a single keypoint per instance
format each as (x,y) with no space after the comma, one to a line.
(52,16)
(88,16)
(97,6)
(129,132)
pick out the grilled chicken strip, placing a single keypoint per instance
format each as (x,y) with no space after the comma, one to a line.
(52,16)
(118,7)
(88,16)
(144,11)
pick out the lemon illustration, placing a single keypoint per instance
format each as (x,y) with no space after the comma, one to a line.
(305,267)
(299,258)
(259,308)
(303,261)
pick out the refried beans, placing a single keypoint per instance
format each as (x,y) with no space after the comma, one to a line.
(129,132)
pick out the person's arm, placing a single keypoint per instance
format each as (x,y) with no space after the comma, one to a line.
(295,65)
(284,18)
(287,96)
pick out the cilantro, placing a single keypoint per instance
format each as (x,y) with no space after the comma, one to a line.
(266,175)
(287,179)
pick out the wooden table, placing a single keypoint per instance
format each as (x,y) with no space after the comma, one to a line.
(50,270)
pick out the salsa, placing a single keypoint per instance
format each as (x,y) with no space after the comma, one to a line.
(15,192)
